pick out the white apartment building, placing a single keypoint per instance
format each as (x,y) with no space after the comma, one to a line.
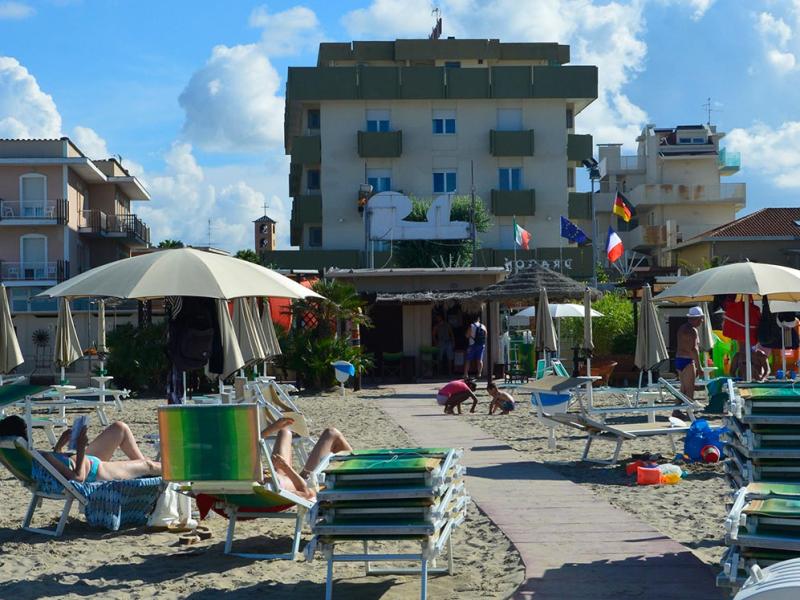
(675,182)
(431,117)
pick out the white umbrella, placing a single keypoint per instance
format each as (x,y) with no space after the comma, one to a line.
(746,279)
(560,311)
(180,272)
(650,347)
(101,348)
(588,343)
(706,335)
(233,360)
(246,332)
(10,354)
(545,331)
(68,346)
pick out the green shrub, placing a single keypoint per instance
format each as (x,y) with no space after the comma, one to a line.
(138,358)
(612,333)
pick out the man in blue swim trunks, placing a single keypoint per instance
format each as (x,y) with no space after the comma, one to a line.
(687,354)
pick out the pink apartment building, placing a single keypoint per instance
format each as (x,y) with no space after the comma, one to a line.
(61,214)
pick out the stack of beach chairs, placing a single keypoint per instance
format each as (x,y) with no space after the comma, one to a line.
(407,500)
(763,470)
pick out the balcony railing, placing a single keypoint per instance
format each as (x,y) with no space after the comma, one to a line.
(34,271)
(631,163)
(127,226)
(650,194)
(26,210)
(729,162)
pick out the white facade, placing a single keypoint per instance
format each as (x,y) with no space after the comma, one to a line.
(674,182)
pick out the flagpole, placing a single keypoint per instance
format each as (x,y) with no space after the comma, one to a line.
(561,254)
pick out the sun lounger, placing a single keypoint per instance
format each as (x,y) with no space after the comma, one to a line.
(277,404)
(411,494)
(218,451)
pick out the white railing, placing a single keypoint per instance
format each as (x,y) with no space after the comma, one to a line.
(28,271)
(29,209)
(631,163)
(679,193)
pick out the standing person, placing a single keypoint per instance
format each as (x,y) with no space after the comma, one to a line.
(687,355)
(454,393)
(476,335)
(444,341)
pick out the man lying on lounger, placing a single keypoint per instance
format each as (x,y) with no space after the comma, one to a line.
(92,460)
(331,441)
(454,393)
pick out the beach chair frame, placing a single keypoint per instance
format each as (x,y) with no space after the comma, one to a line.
(270,489)
(68,496)
(301,445)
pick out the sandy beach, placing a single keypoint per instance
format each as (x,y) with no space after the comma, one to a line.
(690,512)
(137,563)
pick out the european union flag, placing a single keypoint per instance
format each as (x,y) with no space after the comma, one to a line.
(573,233)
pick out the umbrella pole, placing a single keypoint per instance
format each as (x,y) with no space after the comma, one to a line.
(183,374)
(783,353)
(749,371)
(63,377)
(558,342)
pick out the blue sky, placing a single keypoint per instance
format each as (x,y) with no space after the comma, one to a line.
(190,94)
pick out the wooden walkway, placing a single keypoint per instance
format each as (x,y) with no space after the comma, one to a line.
(574,545)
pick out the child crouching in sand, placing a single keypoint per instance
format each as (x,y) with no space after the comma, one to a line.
(502,401)
(455,393)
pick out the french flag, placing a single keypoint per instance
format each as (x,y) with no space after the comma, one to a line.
(614,247)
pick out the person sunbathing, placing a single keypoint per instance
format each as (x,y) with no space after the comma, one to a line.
(501,400)
(331,441)
(92,460)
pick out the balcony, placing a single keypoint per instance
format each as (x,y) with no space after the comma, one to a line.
(127,227)
(380,144)
(305,209)
(306,150)
(579,147)
(511,143)
(507,203)
(656,194)
(34,271)
(729,162)
(22,212)
(632,163)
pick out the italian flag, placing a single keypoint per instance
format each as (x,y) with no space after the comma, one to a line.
(522,237)
(614,246)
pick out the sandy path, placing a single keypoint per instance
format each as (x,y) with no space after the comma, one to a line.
(141,564)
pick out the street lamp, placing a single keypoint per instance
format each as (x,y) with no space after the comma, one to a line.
(592,168)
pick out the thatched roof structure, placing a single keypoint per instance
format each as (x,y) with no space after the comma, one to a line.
(524,285)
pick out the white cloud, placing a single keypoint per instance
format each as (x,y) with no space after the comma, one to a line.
(289,32)
(25,110)
(90,142)
(776,36)
(608,35)
(231,103)
(15,11)
(773,27)
(699,7)
(773,153)
(782,61)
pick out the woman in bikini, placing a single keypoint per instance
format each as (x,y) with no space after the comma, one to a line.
(92,460)
(331,441)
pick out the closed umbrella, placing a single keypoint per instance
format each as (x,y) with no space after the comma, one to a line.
(180,272)
(245,327)
(102,351)
(746,279)
(545,331)
(650,347)
(273,348)
(10,354)
(588,343)
(707,338)
(233,360)
(68,347)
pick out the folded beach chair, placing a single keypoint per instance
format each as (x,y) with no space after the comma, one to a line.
(765,515)
(217,450)
(390,495)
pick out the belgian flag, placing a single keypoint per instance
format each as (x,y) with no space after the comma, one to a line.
(623,208)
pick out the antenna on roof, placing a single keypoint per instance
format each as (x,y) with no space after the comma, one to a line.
(436,33)
(709,106)
(119,158)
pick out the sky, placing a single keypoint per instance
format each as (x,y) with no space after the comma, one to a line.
(191,94)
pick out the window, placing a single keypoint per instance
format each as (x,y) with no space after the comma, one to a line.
(378,120)
(380,180)
(33,256)
(312,180)
(691,140)
(452,64)
(570,177)
(510,178)
(570,119)
(444,122)
(32,195)
(444,182)
(315,236)
(509,119)
(312,117)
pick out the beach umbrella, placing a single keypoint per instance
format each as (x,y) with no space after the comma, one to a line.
(68,347)
(267,328)
(10,353)
(560,311)
(650,347)
(101,348)
(245,327)
(233,359)
(180,272)
(545,331)
(588,343)
(749,280)
(707,338)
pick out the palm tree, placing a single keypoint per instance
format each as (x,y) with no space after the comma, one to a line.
(327,315)
(170,244)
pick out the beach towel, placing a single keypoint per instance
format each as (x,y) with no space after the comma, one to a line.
(111,504)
